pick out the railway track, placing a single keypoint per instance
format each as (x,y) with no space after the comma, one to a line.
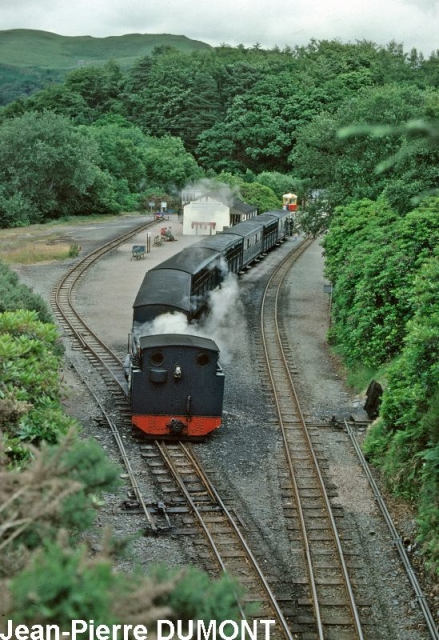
(318,561)
(227,544)
(331,601)
(420,597)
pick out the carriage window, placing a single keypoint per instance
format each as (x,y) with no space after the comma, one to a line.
(157,358)
(202,359)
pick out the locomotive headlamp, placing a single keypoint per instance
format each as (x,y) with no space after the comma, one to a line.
(177,372)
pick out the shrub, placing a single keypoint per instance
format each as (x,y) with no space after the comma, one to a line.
(29,380)
(14,295)
(405,443)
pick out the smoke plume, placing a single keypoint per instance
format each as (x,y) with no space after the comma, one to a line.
(225,311)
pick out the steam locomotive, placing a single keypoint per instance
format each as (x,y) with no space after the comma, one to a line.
(175,380)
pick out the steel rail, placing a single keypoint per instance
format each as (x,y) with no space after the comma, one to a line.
(285,266)
(213,493)
(212,490)
(123,453)
(62,297)
(65,287)
(420,597)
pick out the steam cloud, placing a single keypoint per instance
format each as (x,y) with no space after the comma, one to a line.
(205,187)
(225,311)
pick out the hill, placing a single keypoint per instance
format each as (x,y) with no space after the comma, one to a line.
(30,59)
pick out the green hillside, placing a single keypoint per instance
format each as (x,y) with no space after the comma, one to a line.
(29,59)
(28,48)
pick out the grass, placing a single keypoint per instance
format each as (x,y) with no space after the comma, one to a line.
(32,252)
(43,242)
(360,377)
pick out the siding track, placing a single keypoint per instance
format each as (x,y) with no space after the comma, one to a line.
(319,561)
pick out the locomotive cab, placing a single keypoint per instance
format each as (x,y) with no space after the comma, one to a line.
(176,386)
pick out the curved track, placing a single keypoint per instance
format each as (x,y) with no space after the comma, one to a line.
(321,551)
(227,544)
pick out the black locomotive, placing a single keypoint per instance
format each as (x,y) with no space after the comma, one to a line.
(175,380)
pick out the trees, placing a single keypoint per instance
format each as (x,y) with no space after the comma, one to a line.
(260,196)
(175,94)
(168,165)
(49,164)
(280,183)
(237,109)
(98,86)
(259,128)
(51,168)
(384,267)
(346,167)
(405,442)
(122,148)
(373,256)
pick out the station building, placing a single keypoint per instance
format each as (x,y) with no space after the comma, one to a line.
(205,214)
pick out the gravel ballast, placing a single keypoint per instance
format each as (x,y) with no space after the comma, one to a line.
(243,455)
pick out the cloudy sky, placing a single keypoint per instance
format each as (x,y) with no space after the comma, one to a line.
(412,23)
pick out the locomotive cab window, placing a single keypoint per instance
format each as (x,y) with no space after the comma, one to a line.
(156,358)
(202,359)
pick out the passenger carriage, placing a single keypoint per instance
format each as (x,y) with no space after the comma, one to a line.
(229,246)
(179,284)
(175,381)
(252,233)
(283,219)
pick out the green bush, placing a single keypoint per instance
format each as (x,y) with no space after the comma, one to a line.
(60,585)
(405,443)
(198,597)
(372,258)
(85,463)
(30,387)
(15,295)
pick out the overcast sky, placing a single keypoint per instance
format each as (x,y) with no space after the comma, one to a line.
(412,23)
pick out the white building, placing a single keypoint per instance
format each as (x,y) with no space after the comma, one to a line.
(208,214)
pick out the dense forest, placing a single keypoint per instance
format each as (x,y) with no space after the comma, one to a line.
(351,128)
(173,118)
(30,59)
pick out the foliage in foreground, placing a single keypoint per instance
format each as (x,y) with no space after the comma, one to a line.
(49,491)
(30,409)
(46,578)
(15,295)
